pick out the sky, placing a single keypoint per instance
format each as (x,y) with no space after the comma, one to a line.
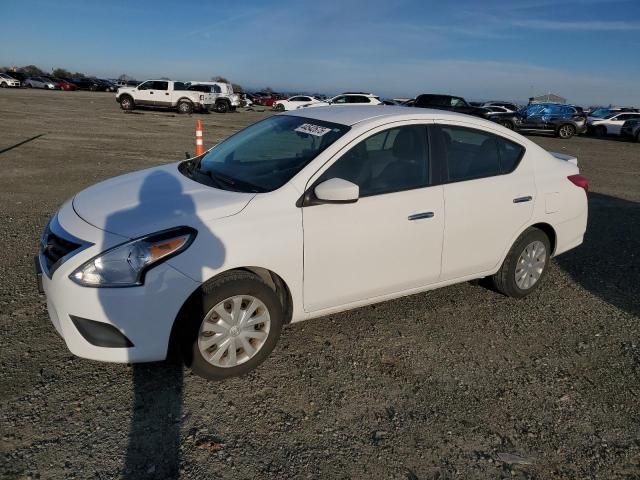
(585,50)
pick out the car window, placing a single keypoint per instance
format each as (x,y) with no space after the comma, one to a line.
(341,99)
(359,99)
(179,86)
(474,154)
(145,86)
(268,153)
(390,161)
(160,85)
(457,102)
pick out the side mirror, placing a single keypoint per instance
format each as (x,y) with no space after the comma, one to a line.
(337,190)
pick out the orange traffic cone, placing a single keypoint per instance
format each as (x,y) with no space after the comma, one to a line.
(199,145)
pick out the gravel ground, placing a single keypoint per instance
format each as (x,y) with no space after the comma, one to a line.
(456,383)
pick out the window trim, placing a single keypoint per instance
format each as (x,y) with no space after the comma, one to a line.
(442,154)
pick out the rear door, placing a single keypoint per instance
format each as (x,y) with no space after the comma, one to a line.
(489,196)
(615,124)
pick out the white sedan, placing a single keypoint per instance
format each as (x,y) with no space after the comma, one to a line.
(610,124)
(302,215)
(292,103)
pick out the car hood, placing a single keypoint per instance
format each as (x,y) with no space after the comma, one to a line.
(151,200)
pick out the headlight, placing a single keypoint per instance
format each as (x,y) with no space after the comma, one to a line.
(126,264)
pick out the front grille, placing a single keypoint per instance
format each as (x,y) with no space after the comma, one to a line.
(57,246)
(54,248)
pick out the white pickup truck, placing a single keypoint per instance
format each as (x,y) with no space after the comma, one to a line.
(164,93)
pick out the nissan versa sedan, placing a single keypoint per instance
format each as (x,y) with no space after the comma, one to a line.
(300,215)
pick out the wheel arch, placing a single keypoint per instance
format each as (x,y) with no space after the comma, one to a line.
(184,99)
(271,278)
(549,231)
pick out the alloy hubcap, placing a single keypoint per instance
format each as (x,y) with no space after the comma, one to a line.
(565,131)
(234,331)
(530,265)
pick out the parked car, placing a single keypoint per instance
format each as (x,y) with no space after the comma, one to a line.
(166,94)
(602,112)
(509,106)
(106,85)
(631,130)
(225,98)
(86,84)
(450,103)
(294,102)
(564,121)
(348,98)
(39,82)
(218,252)
(21,77)
(610,124)
(62,84)
(7,80)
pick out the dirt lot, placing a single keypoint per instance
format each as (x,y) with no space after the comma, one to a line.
(455,383)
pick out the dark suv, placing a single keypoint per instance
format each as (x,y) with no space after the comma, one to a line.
(450,103)
(563,121)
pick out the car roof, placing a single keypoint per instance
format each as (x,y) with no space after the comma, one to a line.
(350,115)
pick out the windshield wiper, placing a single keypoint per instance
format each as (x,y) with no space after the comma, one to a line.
(235,183)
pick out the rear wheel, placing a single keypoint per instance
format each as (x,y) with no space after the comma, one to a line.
(233,327)
(222,107)
(185,107)
(566,131)
(525,265)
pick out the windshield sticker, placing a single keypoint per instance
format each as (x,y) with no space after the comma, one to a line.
(315,130)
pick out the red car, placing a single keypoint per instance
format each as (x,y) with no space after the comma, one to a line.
(63,84)
(267,99)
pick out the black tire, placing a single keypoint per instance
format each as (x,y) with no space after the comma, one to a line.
(600,131)
(3,85)
(29,86)
(185,107)
(507,124)
(566,131)
(127,103)
(213,292)
(505,279)
(638,136)
(279,107)
(222,107)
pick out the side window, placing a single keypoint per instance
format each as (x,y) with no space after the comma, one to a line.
(341,99)
(145,86)
(390,161)
(304,99)
(216,89)
(360,99)
(474,154)
(161,85)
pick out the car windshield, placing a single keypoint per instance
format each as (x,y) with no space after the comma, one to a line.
(267,154)
(600,112)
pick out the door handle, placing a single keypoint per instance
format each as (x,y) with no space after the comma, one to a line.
(167,93)
(150,93)
(523,199)
(419,216)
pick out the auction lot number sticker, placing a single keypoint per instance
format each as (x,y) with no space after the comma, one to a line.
(315,130)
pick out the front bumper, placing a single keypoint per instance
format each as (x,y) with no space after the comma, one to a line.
(142,315)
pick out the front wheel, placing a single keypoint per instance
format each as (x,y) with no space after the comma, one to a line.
(279,107)
(566,131)
(525,265)
(233,327)
(126,103)
(3,85)
(600,131)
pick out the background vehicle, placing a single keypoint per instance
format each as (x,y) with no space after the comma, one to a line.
(564,121)
(294,102)
(610,124)
(7,80)
(509,106)
(106,85)
(90,84)
(348,98)
(189,249)
(62,84)
(166,94)
(39,82)
(225,98)
(449,103)
(631,130)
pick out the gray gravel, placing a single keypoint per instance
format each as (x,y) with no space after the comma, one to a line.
(456,383)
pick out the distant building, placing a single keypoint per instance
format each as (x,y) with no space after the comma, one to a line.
(548,98)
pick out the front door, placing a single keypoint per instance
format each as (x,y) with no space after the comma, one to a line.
(146,93)
(390,240)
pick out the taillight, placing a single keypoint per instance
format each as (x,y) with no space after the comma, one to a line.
(579,181)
